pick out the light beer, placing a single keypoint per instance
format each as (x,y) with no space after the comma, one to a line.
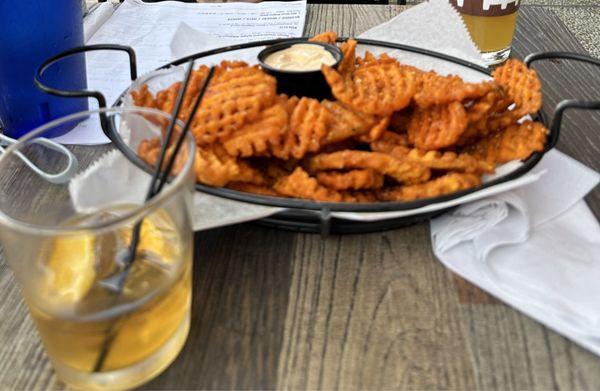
(491,24)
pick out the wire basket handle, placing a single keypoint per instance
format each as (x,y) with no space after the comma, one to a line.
(85,93)
(566,104)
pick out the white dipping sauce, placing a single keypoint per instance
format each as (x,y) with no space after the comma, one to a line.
(300,57)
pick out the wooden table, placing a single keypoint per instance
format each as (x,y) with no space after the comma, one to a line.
(282,310)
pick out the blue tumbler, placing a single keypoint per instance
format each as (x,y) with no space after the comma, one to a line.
(30,32)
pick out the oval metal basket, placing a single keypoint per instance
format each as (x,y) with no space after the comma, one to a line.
(311,216)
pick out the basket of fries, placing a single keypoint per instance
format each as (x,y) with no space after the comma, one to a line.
(394,142)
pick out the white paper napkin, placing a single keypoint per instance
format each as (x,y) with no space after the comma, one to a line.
(536,248)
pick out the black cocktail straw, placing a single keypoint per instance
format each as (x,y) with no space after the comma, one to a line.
(159,178)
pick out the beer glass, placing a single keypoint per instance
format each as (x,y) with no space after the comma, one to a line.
(106,322)
(491,24)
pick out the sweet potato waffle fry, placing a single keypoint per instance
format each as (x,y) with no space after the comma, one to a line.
(447,184)
(377,87)
(394,132)
(450,161)
(236,96)
(347,65)
(300,185)
(306,129)
(326,37)
(521,84)
(261,137)
(143,97)
(437,127)
(435,160)
(441,90)
(355,179)
(346,123)
(217,168)
(401,170)
(515,142)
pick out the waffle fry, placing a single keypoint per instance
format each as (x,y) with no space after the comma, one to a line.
(300,185)
(347,65)
(376,131)
(359,196)
(495,101)
(354,179)
(165,99)
(441,90)
(214,167)
(392,139)
(259,138)
(435,160)
(149,150)
(437,127)
(143,97)
(197,80)
(391,143)
(368,59)
(288,103)
(236,95)
(371,60)
(326,37)
(346,123)
(521,84)
(447,184)
(391,129)
(515,142)
(379,88)
(401,170)
(306,130)
(450,161)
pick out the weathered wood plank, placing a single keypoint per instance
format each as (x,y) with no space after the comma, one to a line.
(347,19)
(373,312)
(513,352)
(469,293)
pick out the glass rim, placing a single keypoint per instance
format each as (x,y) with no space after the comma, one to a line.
(136,213)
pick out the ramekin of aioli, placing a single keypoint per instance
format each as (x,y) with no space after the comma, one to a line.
(297,66)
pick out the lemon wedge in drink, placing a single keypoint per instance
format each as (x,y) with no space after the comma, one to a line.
(71,268)
(74,263)
(157,236)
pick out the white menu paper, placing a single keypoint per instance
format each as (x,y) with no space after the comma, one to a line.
(149,28)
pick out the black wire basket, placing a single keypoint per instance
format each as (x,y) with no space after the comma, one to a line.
(312,216)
